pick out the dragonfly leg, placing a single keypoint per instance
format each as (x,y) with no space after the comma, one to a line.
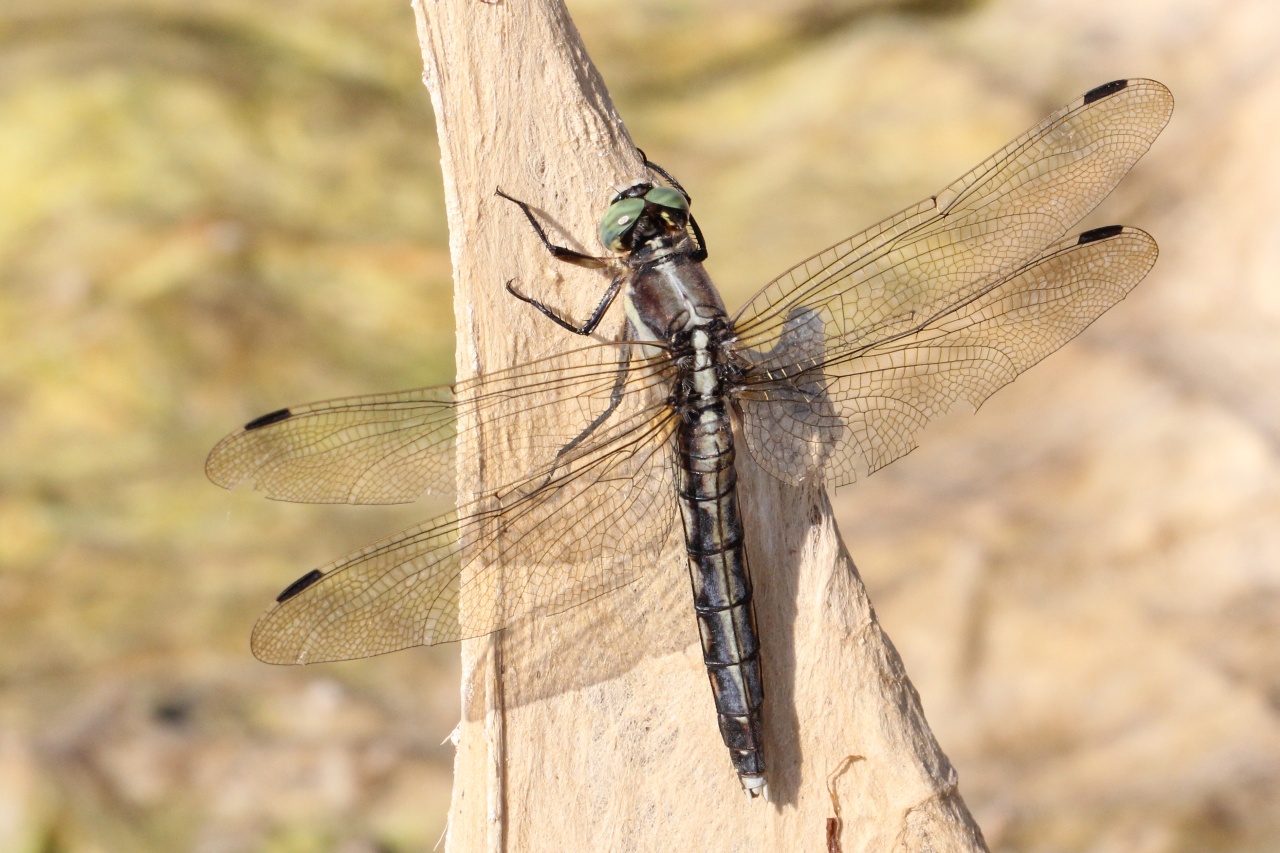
(654,167)
(592,321)
(560,253)
(700,254)
(615,400)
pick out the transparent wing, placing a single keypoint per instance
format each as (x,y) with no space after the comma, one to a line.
(594,521)
(394,448)
(891,282)
(589,511)
(995,219)
(861,406)
(377,449)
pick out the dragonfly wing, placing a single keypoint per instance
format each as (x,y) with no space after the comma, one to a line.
(995,219)
(595,521)
(893,280)
(394,448)
(377,449)
(870,399)
(789,419)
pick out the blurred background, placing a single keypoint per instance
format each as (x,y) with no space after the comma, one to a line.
(215,208)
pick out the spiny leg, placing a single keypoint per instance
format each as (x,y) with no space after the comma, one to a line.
(570,256)
(615,400)
(592,321)
(654,167)
(560,253)
(701,254)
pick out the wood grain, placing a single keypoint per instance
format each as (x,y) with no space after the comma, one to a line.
(630,757)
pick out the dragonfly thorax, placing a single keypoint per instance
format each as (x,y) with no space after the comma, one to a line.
(704,364)
(671,295)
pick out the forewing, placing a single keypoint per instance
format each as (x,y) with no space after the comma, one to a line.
(593,522)
(394,448)
(377,449)
(862,406)
(980,229)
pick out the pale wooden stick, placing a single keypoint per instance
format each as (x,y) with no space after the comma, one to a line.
(624,753)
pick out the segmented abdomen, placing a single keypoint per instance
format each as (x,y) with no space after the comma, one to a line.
(721,581)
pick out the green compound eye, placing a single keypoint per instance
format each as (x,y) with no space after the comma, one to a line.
(667,197)
(618,220)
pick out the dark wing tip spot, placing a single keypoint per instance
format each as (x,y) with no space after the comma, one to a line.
(1099,92)
(1103,233)
(299,585)
(268,419)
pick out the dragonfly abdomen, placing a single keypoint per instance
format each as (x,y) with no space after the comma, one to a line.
(708,483)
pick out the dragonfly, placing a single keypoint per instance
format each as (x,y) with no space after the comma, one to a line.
(826,375)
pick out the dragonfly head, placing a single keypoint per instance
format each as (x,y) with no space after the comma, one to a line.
(641,214)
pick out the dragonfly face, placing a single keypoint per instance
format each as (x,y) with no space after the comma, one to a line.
(833,368)
(643,219)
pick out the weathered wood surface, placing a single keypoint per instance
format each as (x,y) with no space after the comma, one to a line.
(630,758)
